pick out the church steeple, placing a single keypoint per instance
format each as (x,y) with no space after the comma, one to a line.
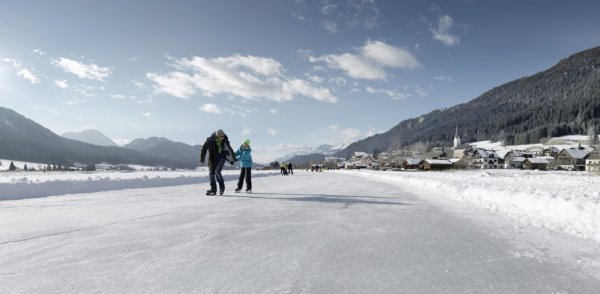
(456,138)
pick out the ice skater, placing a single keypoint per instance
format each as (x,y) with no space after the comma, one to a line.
(244,155)
(219,150)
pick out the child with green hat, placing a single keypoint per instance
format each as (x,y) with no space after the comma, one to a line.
(244,155)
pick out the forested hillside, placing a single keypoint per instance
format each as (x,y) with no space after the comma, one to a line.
(564,99)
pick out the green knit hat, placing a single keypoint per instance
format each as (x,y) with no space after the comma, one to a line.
(247,142)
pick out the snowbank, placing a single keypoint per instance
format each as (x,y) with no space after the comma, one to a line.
(22,185)
(564,201)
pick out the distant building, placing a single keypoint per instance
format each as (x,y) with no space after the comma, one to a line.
(456,139)
(411,164)
(484,159)
(436,155)
(592,163)
(435,164)
(538,163)
(459,151)
(572,159)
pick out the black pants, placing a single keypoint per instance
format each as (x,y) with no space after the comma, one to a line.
(245,173)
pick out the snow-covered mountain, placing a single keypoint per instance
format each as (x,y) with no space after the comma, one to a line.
(324,149)
(91,137)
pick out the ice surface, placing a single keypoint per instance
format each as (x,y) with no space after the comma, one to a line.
(307,233)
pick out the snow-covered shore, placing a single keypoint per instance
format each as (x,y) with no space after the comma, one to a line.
(23,185)
(563,201)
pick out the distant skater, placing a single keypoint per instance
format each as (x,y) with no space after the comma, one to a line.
(244,155)
(290,168)
(219,150)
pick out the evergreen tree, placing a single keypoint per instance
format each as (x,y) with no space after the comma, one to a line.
(12,167)
(25,167)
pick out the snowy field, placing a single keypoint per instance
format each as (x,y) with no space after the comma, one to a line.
(22,185)
(330,232)
(563,201)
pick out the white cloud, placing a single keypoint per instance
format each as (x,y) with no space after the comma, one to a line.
(328,8)
(23,72)
(314,79)
(339,81)
(272,132)
(274,111)
(371,61)
(39,52)
(76,101)
(29,75)
(238,110)
(61,84)
(338,16)
(345,135)
(210,108)
(247,131)
(138,84)
(177,84)
(409,92)
(444,78)
(84,90)
(83,71)
(330,26)
(392,94)
(148,115)
(248,77)
(442,34)
(12,62)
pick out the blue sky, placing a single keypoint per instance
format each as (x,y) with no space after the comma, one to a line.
(286,74)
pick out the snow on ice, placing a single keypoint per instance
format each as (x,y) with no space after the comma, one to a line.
(563,201)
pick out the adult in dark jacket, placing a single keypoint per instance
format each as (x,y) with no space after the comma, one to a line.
(219,150)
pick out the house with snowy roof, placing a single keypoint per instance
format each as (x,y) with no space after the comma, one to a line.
(535,150)
(439,154)
(459,151)
(572,159)
(534,163)
(484,159)
(512,158)
(592,163)
(551,151)
(410,164)
(435,164)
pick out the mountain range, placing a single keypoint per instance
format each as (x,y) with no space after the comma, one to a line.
(25,140)
(179,154)
(563,100)
(325,150)
(90,136)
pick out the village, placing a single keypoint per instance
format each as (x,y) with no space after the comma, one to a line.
(570,153)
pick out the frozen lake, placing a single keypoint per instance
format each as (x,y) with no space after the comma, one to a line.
(307,233)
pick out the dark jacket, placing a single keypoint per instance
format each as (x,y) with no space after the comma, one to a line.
(210,146)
